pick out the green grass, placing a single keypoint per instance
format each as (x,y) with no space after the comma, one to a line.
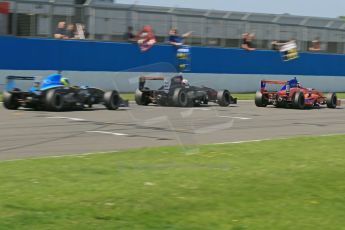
(127,96)
(244,96)
(289,184)
(341,95)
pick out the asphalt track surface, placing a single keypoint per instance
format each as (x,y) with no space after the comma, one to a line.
(26,133)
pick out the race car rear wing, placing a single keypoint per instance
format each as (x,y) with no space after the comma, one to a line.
(275,82)
(143,79)
(20,78)
(10,81)
(264,83)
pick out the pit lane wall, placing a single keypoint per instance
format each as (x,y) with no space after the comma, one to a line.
(118,65)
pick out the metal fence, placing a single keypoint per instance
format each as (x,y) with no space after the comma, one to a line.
(39,18)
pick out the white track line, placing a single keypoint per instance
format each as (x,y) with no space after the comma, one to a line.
(240,118)
(248,141)
(108,133)
(67,118)
(276,139)
(200,109)
(59,156)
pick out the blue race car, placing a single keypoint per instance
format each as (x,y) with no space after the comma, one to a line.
(54,93)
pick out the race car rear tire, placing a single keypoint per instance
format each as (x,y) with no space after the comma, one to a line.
(111,100)
(331,100)
(260,100)
(223,98)
(10,101)
(141,98)
(298,101)
(54,100)
(180,98)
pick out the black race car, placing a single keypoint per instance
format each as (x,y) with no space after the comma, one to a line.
(54,93)
(177,92)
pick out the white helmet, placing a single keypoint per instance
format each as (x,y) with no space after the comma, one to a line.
(185,82)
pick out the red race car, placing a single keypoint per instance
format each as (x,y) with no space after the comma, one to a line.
(293,95)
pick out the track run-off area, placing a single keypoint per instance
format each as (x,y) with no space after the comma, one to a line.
(26,133)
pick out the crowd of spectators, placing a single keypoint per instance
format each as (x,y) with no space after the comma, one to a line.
(146,39)
(70,31)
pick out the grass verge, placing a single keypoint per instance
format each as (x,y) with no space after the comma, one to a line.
(282,184)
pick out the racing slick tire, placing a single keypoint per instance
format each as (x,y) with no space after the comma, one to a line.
(298,101)
(10,101)
(141,98)
(111,100)
(260,100)
(54,100)
(331,100)
(180,98)
(223,98)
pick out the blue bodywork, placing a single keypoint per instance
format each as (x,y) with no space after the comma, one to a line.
(51,81)
(293,83)
(10,85)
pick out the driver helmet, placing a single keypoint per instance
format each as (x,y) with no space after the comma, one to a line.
(36,83)
(65,81)
(185,82)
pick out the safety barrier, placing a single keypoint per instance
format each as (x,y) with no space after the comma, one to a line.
(76,55)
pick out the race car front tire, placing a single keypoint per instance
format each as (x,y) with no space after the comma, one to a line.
(298,101)
(111,100)
(223,98)
(54,100)
(10,101)
(260,100)
(331,100)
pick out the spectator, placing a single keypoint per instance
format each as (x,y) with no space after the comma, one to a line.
(60,32)
(175,39)
(275,45)
(316,45)
(247,41)
(129,35)
(81,32)
(145,38)
(70,32)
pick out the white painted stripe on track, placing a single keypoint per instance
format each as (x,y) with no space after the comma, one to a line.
(200,109)
(240,118)
(248,141)
(67,118)
(108,133)
(59,156)
(276,139)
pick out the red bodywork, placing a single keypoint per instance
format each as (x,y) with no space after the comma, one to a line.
(312,97)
